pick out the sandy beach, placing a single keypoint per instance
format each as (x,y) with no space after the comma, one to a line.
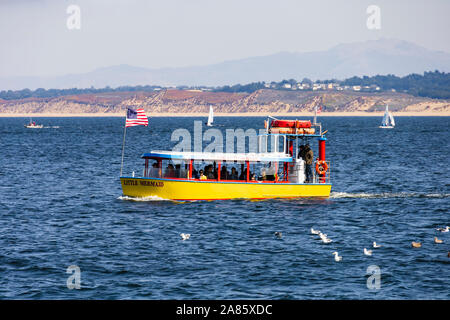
(250,114)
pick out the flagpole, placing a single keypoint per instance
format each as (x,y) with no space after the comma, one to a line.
(123,147)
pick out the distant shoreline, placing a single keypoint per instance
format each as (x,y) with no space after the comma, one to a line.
(250,114)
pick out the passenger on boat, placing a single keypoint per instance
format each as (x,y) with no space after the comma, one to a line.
(177,171)
(195,174)
(170,171)
(209,172)
(154,171)
(224,175)
(301,152)
(202,176)
(234,174)
(243,174)
(309,158)
(184,172)
(270,172)
(263,174)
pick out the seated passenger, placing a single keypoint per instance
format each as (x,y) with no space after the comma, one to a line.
(201,175)
(234,174)
(263,175)
(210,174)
(170,171)
(154,171)
(224,173)
(184,172)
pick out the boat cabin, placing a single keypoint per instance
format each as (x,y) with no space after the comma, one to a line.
(277,159)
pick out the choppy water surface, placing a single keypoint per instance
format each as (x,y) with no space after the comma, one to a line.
(61,205)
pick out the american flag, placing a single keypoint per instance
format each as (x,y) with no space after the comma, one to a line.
(136,118)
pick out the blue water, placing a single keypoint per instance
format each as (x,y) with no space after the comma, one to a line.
(61,205)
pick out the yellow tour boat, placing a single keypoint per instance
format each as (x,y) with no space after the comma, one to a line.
(280,173)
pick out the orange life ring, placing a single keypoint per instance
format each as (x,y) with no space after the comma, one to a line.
(321,167)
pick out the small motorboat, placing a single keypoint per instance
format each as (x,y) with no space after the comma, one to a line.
(32,125)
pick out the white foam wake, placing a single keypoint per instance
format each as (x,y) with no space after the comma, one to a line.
(386,195)
(149,198)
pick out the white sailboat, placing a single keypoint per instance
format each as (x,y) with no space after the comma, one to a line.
(210,117)
(388,121)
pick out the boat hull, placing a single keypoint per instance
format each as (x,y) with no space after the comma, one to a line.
(171,189)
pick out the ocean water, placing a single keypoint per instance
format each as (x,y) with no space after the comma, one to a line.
(61,205)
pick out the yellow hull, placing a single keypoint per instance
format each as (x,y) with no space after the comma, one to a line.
(213,190)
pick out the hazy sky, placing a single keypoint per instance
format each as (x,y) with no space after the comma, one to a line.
(35,40)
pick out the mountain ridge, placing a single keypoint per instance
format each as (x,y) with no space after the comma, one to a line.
(383,56)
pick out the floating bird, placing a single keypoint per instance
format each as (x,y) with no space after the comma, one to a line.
(446,229)
(278,234)
(337,258)
(375,245)
(322,235)
(436,240)
(416,244)
(367,252)
(315,231)
(324,238)
(185,236)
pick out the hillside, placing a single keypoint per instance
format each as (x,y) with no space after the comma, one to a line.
(197,102)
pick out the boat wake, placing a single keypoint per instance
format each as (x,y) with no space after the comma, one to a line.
(387,195)
(142,199)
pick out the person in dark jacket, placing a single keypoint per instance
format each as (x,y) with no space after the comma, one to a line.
(301,152)
(309,159)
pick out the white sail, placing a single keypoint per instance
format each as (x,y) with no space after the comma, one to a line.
(385,121)
(391,118)
(210,117)
(388,119)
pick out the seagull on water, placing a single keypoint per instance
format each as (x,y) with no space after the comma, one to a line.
(324,238)
(367,252)
(337,258)
(375,245)
(446,229)
(315,231)
(436,240)
(278,234)
(185,236)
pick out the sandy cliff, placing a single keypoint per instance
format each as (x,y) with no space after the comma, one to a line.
(193,102)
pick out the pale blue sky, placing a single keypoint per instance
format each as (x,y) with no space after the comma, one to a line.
(172,33)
